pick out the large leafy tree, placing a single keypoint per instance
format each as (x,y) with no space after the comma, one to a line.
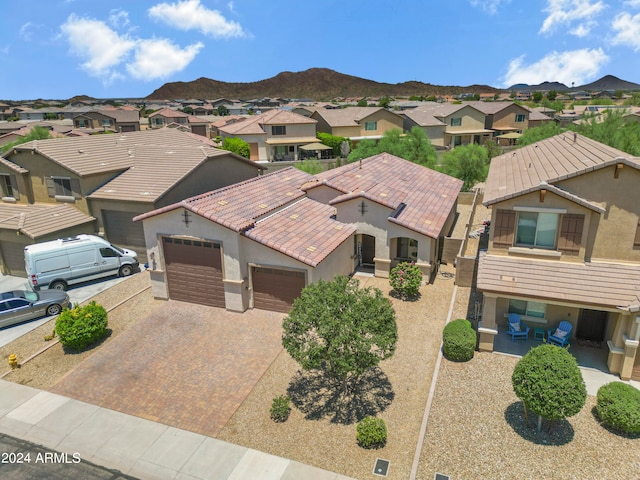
(413,146)
(549,383)
(469,163)
(36,133)
(340,328)
(536,134)
(333,141)
(237,145)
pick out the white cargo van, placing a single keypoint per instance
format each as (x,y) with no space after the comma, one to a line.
(63,262)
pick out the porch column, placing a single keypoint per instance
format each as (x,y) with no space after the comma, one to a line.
(488,329)
(630,352)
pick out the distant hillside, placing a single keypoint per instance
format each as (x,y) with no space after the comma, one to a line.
(315,83)
(608,82)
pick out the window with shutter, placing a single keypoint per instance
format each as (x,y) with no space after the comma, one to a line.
(63,187)
(571,234)
(504,228)
(8,186)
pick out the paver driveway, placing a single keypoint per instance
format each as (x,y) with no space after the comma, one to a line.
(185,365)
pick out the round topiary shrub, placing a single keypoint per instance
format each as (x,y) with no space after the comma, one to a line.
(280,408)
(405,279)
(372,432)
(619,407)
(81,326)
(459,340)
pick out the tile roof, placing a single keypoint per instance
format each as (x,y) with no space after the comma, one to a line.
(305,231)
(38,220)
(110,152)
(253,124)
(551,160)
(592,283)
(147,182)
(422,197)
(239,206)
(346,117)
(13,166)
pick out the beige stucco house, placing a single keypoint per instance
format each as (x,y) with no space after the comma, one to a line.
(565,245)
(274,135)
(113,177)
(256,244)
(356,123)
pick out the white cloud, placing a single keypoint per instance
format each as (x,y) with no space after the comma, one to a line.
(633,3)
(628,30)
(583,29)
(118,18)
(577,66)
(159,58)
(489,6)
(101,48)
(28,30)
(570,12)
(191,15)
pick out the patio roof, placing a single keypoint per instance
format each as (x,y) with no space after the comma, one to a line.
(315,146)
(290,140)
(599,284)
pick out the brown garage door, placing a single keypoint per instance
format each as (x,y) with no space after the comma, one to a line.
(13,258)
(120,229)
(275,289)
(194,271)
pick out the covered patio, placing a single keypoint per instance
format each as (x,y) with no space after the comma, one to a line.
(316,150)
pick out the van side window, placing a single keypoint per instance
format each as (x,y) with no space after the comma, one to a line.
(107,252)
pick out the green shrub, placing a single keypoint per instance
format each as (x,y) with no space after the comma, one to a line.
(619,407)
(459,340)
(81,326)
(280,408)
(372,432)
(405,279)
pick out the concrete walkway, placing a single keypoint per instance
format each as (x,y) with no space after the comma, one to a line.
(134,446)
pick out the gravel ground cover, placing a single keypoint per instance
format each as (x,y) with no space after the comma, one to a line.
(398,392)
(477,430)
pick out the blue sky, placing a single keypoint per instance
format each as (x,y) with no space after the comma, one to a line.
(55,49)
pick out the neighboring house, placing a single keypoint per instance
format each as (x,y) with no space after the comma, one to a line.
(357,123)
(565,245)
(114,177)
(449,125)
(22,225)
(274,135)
(256,244)
(168,117)
(503,117)
(223,121)
(117,120)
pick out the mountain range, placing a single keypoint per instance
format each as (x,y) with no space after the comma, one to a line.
(327,84)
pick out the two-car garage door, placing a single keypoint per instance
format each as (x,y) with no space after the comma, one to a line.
(194,271)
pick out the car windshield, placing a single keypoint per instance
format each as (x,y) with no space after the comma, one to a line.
(31,296)
(117,249)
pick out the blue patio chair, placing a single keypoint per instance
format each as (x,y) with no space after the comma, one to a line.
(517,328)
(560,336)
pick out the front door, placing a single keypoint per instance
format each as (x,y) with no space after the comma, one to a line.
(368,250)
(592,325)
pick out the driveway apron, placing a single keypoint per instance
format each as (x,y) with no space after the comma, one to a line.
(188,366)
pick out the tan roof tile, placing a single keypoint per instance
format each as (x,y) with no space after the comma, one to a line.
(38,220)
(592,283)
(304,231)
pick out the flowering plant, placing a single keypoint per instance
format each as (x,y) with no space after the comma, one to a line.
(405,279)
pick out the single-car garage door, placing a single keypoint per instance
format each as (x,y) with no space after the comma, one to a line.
(13,258)
(194,271)
(121,229)
(275,289)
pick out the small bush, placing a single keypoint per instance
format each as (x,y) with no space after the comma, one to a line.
(405,279)
(79,327)
(372,432)
(459,340)
(280,408)
(619,407)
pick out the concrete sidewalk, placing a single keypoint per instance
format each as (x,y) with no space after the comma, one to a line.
(134,446)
